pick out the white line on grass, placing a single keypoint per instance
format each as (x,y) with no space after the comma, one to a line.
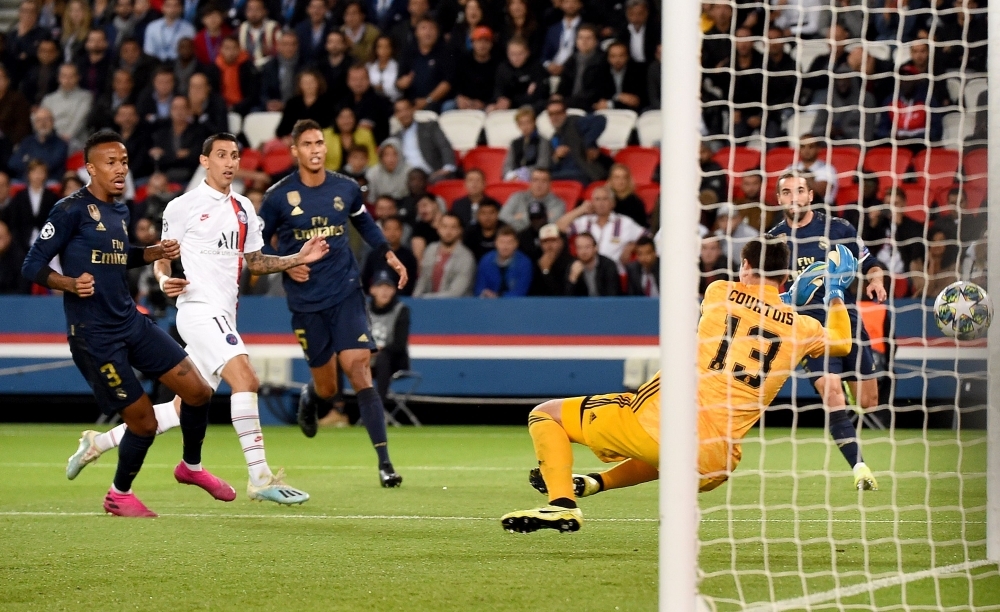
(867,587)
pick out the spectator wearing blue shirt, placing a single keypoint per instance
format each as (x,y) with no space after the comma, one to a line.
(505,271)
(42,144)
(162,35)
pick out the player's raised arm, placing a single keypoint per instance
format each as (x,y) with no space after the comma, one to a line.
(313,250)
(842,266)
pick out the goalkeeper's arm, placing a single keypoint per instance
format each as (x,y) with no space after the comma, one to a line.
(838,329)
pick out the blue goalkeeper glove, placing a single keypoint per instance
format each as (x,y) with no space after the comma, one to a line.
(841,269)
(805,285)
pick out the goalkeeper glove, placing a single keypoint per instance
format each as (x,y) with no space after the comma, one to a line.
(841,268)
(805,285)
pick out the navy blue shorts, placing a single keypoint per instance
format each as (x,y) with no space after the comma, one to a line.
(106,360)
(859,364)
(325,333)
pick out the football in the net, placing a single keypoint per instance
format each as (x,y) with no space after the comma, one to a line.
(963,310)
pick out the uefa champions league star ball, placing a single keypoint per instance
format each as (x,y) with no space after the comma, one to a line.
(963,310)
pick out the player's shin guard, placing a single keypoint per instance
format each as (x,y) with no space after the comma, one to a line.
(194,424)
(554,453)
(628,473)
(843,433)
(373,415)
(131,453)
(246,421)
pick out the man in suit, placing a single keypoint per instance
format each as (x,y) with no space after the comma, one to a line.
(575,152)
(560,39)
(467,206)
(644,272)
(424,144)
(386,13)
(585,72)
(372,110)
(312,33)
(640,34)
(30,208)
(277,77)
(43,76)
(624,82)
(592,274)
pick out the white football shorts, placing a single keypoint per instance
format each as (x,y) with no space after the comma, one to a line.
(211,338)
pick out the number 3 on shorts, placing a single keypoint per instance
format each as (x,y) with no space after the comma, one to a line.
(109,371)
(301,335)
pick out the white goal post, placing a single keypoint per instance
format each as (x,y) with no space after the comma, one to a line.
(993,341)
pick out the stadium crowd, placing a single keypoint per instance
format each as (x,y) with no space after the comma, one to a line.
(557,209)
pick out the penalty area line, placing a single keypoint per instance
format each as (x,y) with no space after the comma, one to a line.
(868,587)
(332,517)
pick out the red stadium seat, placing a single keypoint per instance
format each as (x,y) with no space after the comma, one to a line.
(937,167)
(845,160)
(641,162)
(975,164)
(141,192)
(249,159)
(501,192)
(975,193)
(778,159)
(590,189)
(277,161)
(75,161)
(568,191)
(847,194)
(487,159)
(449,190)
(16,188)
(738,159)
(918,201)
(888,164)
(650,196)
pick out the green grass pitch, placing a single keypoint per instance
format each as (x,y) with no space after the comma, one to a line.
(436,543)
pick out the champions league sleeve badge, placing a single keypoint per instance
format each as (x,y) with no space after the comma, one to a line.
(294,199)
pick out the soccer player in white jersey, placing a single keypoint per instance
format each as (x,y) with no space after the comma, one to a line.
(217,230)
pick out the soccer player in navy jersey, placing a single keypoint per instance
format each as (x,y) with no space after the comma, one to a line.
(108,336)
(811,235)
(325,297)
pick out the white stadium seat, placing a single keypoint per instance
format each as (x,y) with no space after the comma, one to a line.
(973,88)
(259,127)
(809,50)
(621,122)
(462,128)
(235,123)
(501,128)
(650,128)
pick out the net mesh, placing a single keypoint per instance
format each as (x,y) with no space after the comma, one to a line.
(882,105)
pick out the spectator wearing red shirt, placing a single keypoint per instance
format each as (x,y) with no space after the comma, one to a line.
(208,42)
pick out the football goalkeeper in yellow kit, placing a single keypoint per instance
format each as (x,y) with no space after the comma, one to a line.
(749,342)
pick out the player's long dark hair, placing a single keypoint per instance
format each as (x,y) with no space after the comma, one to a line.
(767,254)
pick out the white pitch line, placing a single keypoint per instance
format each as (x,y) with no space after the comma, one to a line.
(867,587)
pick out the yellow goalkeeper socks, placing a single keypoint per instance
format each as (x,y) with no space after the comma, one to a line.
(554,453)
(628,473)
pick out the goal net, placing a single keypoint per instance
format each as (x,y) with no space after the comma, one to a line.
(881,106)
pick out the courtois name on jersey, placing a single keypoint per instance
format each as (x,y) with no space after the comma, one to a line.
(89,236)
(297,213)
(813,241)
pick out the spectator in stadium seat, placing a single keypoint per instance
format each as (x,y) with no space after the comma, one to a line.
(644,272)
(356,165)
(820,176)
(818,77)
(527,239)
(383,70)
(731,225)
(552,263)
(969,224)
(941,267)
(240,84)
(713,187)
(903,243)
(575,154)
(868,214)
(388,176)
(625,82)
(258,35)
(132,59)
(520,81)
(310,101)
(11,258)
(344,134)
(208,41)
(162,35)
(459,34)
(333,64)
(427,69)
(881,74)
(520,22)
(654,76)
(425,228)
(504,271)
(914,14)
(23,39)
(913,115)
(475,76)
(481,236)
(30,208)
(447,268)
(187,64)
(626,202)
(404,32)
(41,144)
(424,145)
(515,211)
(383,13)
(561,38)
(801,18)
(390,324)
(122,91)
(591,274)
(752,185)
(528,151)
(361,36)
(584,73)
(94,64)
(393,227)
(716,48)
(467,206)
(70,106)
(960,50)
(15,112)
(615,233)
(207,107)
(781,80)
(144,15)
(42,77)
(372,110)
(138,141)
(850,104)
(747,91)
(277,77)
(713,264)
(158,195)
(154,102)
(177,145)
(313,32)
(641,36)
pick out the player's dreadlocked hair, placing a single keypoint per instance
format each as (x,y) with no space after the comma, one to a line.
(767,254)
(99,138)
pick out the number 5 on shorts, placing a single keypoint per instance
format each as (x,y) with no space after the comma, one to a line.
(301,335)
(109,371)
